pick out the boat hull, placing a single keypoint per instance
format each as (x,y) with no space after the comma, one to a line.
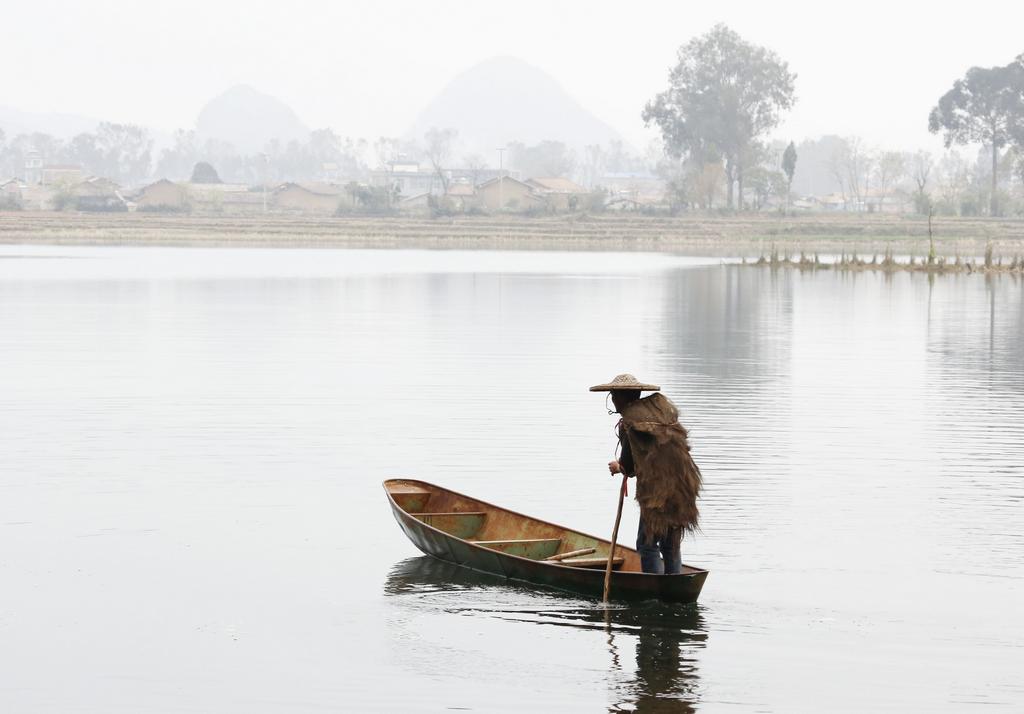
(681,588)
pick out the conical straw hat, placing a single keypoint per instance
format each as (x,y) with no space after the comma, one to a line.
(625,381)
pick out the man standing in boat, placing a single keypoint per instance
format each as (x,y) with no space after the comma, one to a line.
(654,449)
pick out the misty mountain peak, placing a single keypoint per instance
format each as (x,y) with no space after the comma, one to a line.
(505,99)
(249,119)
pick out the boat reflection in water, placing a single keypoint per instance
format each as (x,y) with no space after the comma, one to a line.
(653,646)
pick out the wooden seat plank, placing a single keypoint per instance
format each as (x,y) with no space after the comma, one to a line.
(591,562)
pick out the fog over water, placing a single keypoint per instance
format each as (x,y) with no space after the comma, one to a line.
(191,516)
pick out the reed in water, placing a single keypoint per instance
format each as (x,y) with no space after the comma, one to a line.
(887,262)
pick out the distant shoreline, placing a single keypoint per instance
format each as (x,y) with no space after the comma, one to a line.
(700,235)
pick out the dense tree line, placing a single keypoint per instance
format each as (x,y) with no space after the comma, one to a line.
(122,152)
(323,155)
(724,95)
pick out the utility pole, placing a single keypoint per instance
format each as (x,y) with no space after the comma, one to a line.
(501,178)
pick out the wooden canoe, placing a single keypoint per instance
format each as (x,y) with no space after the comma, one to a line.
(485,537)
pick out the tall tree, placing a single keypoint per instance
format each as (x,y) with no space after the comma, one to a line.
(986,106)
(85,151)
(1017,128)
(126,149)
(724,93)
(176,162)
(703,184)
(546,159)
(789,168)
(50,148)
(438,150)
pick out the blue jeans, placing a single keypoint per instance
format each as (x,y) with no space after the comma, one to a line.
(660,555)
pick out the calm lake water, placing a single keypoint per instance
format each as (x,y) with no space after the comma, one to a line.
(191,516)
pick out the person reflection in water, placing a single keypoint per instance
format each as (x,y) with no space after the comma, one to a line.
(655,450)
(668,642)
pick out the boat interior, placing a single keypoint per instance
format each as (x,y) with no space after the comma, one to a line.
(505,531)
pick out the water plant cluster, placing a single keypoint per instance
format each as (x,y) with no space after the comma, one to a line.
(887,262)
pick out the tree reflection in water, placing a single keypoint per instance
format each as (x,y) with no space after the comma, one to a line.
(664,638)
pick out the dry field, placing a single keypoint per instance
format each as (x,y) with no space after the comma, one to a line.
(727,236)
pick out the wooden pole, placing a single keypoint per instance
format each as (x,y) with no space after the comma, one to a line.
(571,554)
(615,535)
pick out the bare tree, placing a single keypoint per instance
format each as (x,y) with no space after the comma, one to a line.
(954,178)
(476,164)
(438,150)
(851,164)
(837,167)
(889,170)
(921,165)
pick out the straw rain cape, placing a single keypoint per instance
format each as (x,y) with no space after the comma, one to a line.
(667,479)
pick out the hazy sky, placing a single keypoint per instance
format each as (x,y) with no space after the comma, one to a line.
(366,68)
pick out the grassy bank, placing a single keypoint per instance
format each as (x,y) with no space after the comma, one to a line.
(740,236)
